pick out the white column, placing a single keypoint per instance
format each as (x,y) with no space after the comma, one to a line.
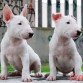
(62,7)
(70,7)
(44,13)
(53,11)
(36,13)
(79,13)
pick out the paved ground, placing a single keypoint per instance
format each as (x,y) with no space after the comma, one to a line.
(60,79)
(18,80)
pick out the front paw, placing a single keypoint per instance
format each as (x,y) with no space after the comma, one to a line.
(38,74)
(71,76)
(3,77)
(51,78)
(79,77)
(27,79)
(76,77)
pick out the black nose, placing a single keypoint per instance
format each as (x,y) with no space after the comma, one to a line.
(78,33)
(31,34)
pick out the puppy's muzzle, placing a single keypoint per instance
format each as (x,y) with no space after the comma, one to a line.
(30,35)
(27,35)
(78,33)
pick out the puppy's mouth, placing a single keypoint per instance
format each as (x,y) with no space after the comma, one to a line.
(27,36)
(75,36)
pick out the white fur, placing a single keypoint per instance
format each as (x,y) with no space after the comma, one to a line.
(62,46)
(14,47)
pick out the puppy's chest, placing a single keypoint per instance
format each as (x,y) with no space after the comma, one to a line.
(64,51)
(14,50)
(63,58)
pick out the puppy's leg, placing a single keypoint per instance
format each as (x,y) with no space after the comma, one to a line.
(53,72)
(4,71)
(26,70)
(38,69)
(78,70)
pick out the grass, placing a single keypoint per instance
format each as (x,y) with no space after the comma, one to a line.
(44,67)
(82,66)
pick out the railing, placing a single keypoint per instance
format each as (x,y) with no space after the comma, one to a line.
(40,16)
(45,8)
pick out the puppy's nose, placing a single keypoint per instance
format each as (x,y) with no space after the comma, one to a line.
(78,33)
(31,34)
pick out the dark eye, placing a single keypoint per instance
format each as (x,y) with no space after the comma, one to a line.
(20,23)
(68,22)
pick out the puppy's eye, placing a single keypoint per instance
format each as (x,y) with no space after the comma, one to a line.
(20,23)
(68,22)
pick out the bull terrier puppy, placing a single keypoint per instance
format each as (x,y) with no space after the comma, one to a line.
(14,47)
(63,54)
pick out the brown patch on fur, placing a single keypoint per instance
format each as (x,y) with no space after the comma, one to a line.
(32,67)
(14,73)
(35,67)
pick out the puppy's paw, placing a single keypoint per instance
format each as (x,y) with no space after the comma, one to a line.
(51,78)
(27,79)
(76,77)
(79,77)
(38,74)
(3,77)
(72,76)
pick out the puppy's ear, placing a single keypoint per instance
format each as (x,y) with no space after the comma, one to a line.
(56,16)
(7,13)
(24,11)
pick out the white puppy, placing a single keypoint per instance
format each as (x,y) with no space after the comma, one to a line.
(14,47)
(63,54)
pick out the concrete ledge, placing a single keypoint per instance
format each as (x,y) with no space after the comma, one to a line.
(60,79)
(18,80)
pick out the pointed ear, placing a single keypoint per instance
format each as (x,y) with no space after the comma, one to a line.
(7,13)
(24,11)
(56,16)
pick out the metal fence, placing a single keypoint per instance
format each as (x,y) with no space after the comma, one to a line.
(40,15)
(45,8)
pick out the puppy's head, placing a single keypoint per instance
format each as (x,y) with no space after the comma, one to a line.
(17,25)
(66,26)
